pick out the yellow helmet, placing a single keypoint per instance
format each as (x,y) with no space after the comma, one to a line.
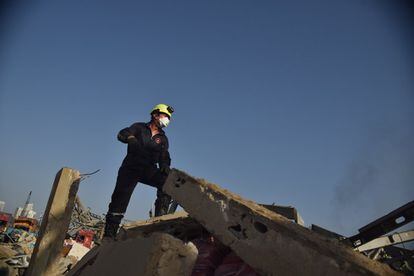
(163,108)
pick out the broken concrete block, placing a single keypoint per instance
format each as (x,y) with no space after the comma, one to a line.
(155,220)
(55,223)
(78,251)
(158,255)
(268,242)
(64,264)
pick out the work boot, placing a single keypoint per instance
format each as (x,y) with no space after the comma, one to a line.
(111,226)
(162,203)
(110,232)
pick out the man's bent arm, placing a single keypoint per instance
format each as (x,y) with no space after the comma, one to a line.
(128,133)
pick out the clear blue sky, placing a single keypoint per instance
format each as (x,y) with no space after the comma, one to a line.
(302,103)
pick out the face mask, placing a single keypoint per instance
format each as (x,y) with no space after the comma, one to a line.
(164,122)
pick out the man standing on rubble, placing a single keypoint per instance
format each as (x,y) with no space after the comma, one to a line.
(147,147)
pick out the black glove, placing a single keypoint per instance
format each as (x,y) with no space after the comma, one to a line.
(165,170)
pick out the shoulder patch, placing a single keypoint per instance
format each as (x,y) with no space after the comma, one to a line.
(157,140)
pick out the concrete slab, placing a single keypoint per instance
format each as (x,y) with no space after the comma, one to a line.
(178,224)
(157,255)
(86,261)
(268,242)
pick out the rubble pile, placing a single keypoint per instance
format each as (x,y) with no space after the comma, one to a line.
(219,233)
(15,250)
(22,241)
(232,236)
(198,251)
(18,244)
(7,253)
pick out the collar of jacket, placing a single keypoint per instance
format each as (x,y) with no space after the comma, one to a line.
(159,129)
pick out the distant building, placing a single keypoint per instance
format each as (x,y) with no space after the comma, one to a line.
(31,214)
(27,208)
(18,212)
(2,204)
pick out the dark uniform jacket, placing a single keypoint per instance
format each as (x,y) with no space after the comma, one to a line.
(145,150)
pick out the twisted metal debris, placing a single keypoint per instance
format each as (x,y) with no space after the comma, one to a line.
(83,219)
